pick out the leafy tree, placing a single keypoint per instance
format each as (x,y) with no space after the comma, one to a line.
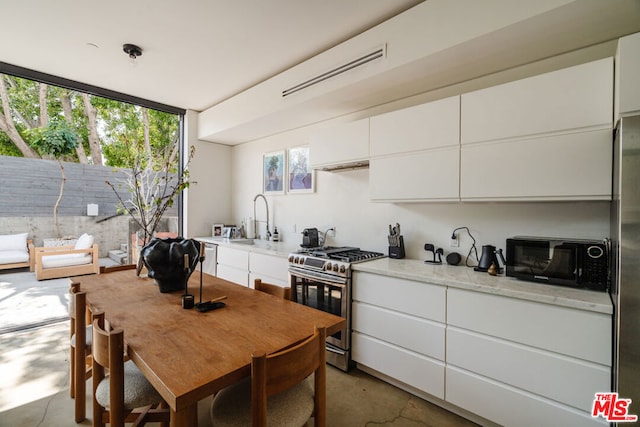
(59,141)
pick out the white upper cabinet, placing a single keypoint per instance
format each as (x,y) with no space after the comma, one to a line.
(415,153)
(568,100)
(627,72)
(340,145)
(432,125)
(546,137)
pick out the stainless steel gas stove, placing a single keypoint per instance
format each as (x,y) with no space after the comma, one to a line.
(321,278)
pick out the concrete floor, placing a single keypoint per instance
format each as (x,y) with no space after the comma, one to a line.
(35,382)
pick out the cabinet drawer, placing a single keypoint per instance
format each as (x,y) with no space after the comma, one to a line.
(431,125)
(573,166)
(406,296)
(413,333)
(268,265)
(582,334)
(422,175)
(509,406)
(233,257)
(411,368)
(232,274)
(569,381)
(267,279)
(572,98)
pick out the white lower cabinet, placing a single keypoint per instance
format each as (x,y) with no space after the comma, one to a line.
(510,406)
(523,363)
(510,361)
(398,330)
(233,265)
(269,268)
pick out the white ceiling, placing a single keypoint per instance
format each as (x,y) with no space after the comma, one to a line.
(196,53)
(204,55)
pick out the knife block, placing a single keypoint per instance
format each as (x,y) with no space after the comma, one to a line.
(397,252)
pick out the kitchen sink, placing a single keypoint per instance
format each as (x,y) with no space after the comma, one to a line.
(242,241)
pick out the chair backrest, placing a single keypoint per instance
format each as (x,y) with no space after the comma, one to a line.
(274,373)
(276,290)
(108,353)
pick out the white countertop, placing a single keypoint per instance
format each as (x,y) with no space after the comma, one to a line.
(462,277)
(259,246)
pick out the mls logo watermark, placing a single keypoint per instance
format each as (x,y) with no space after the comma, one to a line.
(612,408)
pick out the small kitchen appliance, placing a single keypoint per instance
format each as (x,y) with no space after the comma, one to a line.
(567,262)
(310,238)
(321,278)
(491,256)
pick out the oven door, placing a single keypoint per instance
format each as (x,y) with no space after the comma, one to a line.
(324,292)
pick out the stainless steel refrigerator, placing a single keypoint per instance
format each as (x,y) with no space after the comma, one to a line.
(625,266)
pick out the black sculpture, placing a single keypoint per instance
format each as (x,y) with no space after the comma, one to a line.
(165,261)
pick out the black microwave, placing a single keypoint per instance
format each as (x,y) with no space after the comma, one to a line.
(566,262)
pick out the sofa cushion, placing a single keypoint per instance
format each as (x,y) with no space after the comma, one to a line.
(14,242)
(65,260)
(11,257)
(84,242)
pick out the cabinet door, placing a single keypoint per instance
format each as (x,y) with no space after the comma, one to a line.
(582,334)
(233,257)
(411,368)
(426,175)
(510,406)
(232,274)
(572,98)
(340,144)
(268,267)
(628,70)
(573,382)
(405,296)
(413,333)
(431,125)
(575,166)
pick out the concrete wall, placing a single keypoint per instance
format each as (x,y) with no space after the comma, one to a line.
(30,188)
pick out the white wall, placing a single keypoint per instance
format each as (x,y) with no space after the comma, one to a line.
(208,198)
(342,201)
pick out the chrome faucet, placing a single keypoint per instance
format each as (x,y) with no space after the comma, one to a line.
(255,219)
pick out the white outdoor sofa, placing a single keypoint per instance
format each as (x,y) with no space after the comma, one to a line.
(53,262)
(16,251)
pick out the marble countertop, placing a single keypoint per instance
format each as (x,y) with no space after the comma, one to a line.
(462,277)
(259,246)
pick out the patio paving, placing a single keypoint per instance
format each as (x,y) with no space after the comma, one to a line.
(27,303)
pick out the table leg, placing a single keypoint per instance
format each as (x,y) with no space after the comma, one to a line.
(185,417)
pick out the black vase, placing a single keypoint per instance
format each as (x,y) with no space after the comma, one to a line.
(164,259)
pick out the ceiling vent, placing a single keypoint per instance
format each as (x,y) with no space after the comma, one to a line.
(374,55)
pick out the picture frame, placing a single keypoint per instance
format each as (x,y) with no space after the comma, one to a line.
(274,172)
(301,177)
(216,230)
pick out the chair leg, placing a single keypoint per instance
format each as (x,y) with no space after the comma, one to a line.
(80,384)
(72,372)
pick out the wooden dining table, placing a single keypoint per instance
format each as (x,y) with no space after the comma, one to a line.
(186,354)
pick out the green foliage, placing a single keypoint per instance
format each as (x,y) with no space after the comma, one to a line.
(57,139)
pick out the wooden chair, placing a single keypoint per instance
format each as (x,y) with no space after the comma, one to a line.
(79,354)
(276,290)
(125,395)
(279,391)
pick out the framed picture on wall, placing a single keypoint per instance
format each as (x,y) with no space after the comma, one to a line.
(300,178)
(273,172)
